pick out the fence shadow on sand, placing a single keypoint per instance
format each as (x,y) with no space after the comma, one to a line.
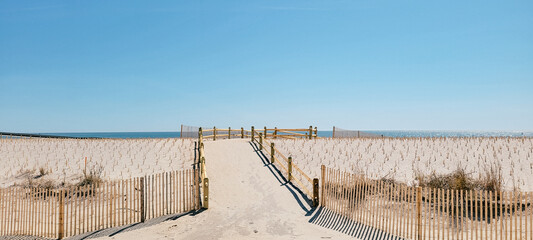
(110,232)
(328,219)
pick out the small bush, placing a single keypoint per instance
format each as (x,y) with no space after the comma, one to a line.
(42,172)
(93,177)
(490,180)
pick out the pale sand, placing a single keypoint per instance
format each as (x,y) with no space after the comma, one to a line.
(64,159)
(399,158)
(248,201)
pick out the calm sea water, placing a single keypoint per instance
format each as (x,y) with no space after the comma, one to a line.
(320,133)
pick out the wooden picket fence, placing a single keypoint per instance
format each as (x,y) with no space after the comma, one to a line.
(408,212)
(67,212)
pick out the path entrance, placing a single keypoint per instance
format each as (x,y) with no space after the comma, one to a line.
(248,200)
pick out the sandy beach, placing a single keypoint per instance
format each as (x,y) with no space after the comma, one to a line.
(400,158)
(63,160)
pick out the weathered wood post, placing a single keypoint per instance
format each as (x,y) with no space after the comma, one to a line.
(253,134)
(316,132)
(290,169)
(200,135)
(272,153)
(214,133)
(275,132)
(260,141)
(315,192)
(265,135)
(206,193)
(310,132)
(141,199)
(419,212)
(61,226)
(333,136)
(242,132)
(202,164)
(229,132)
(323,188)
(181,131)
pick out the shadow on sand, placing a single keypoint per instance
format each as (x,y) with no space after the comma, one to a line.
(110,232)
(303,201)
(326,218)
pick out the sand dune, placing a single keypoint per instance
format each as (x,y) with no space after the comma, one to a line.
(399,158)
(64,159)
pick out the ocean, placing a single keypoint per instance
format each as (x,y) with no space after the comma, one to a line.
(387,133)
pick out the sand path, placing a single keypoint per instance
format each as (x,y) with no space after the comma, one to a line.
(249,200)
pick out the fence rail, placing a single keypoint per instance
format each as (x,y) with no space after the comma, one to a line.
(62,213)
(427,213)
(228,133)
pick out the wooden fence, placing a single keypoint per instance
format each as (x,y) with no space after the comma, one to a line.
(294,174)
(62,213)
(217,133)
(427,213)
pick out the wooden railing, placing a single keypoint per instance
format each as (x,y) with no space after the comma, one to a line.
(67,212)
(228,133)
(294,173)
(427,213)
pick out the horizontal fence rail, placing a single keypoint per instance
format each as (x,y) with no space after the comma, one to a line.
(427,213)
(62,213)
(228,133)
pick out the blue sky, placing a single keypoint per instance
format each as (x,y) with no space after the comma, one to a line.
(82,66)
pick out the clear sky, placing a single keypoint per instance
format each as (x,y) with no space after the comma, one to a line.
(82,66)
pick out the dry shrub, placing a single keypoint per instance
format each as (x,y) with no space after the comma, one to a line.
(489,180)
(93,177)
(42,172)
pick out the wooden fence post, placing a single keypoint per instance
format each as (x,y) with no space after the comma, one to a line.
(200,135)
(141,198)
(202,164)
(252,133)
(206,193)
(61,226)
(322,190)
(265,135)
(316,132)
(214,133)
(333,136)
(310,132)
(229,132)
(181,131)
(315,192)
(242,132)
(419,212)
(272,153)
(260,141)
(290,169)
(275,132)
